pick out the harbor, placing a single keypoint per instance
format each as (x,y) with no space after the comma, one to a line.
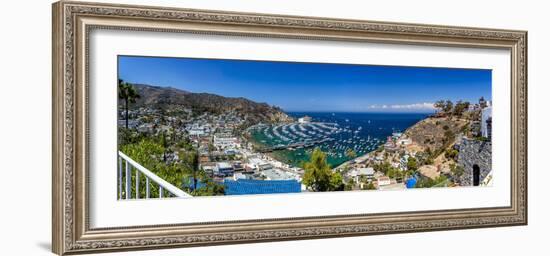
(342,136)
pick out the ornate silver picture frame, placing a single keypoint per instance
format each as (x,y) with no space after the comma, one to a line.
(72,24)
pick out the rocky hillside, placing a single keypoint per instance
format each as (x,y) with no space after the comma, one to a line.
(166,97)
(436,133)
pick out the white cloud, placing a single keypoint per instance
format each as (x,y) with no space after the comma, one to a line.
(414,106)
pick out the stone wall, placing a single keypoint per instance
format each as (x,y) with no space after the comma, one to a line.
(474,152)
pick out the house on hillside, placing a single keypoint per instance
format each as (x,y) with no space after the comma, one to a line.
(390,145)
(224,169)
(361,173)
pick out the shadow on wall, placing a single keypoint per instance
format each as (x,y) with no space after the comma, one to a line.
(47,246)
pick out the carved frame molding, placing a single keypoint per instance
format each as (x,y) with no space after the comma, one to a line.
(72,22)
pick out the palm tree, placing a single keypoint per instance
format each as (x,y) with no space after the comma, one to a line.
(191,166)
(127,93)
(351,153)
(195,165)
(164,144)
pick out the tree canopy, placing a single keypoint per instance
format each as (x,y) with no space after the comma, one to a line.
(351,153)
(449,108)
(412,164)
(149,153)
(444,105)
(425,182)
(460,107)
(318,175)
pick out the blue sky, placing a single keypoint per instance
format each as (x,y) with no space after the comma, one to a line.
(296,86)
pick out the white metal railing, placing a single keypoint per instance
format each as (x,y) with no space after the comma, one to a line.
(149,176)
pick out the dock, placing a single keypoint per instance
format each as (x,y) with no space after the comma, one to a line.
(296,145)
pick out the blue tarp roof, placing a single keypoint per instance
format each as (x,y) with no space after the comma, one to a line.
(411,183)
(247,187)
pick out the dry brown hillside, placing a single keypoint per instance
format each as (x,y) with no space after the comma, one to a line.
(164,97)
(436,133)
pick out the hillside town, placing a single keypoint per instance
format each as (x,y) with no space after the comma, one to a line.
(223,151)
(460,156)
(207,148)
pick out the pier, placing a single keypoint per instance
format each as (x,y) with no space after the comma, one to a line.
(296,145)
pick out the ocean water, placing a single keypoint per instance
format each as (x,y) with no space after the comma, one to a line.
(334,133)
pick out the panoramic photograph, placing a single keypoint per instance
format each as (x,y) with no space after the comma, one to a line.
(192,127)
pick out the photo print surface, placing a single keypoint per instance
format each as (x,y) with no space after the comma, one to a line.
(192,127)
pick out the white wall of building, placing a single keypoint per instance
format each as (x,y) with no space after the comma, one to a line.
(486,113)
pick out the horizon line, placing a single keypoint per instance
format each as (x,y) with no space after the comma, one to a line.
(359,111)
(372,110)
